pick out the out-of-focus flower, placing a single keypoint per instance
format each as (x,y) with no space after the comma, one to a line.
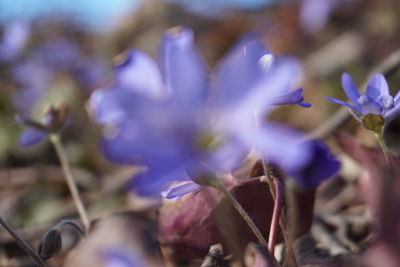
(321,166)
(377,99)
(54,121)
(175,121)
(15,35)
(34,74)
(91,15)
(215,7)
(314,14)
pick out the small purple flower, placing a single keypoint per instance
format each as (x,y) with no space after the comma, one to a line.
(321,166)
(377,99)
(176,120)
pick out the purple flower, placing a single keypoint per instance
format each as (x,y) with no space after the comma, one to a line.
(175,120)
(314,14)
(377,99)
(14,38)
(321,166)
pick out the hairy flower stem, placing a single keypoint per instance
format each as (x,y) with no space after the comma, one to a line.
(271,178)
(273,230)
(23,244)
(293,218)
(385,150)
(55,140)
(218,185)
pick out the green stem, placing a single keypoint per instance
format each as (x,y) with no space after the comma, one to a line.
(385,150)
(23,244)
(55,140)
(218,185)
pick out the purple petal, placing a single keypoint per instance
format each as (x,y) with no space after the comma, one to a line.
(138,72)
(340,102)
(31,136)
(321,166)
(14,38)
(392,113)
(314,14)
(350,88)
(105,106)
(279,145)
(294,97)
(377,87)
(183,69)
(179,191)
(121,258)
(368,105)
(238,72)
(156,180)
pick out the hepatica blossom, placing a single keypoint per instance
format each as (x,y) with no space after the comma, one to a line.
(377,99)
(173,119)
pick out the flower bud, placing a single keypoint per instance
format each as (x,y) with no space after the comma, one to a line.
(50,244)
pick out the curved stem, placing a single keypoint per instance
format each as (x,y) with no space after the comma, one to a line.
(73,224)
(242,212)
(274,226)
(55,140)
(23,244)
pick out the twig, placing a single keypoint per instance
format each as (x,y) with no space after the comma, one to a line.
(23,244)
(342,115)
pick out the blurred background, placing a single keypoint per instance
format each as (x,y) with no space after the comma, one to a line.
(60,51)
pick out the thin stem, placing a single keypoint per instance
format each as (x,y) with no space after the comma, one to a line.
(269,178)
(55,140)
(383,146)
(293,214)
(242,212)
(273,231)
(23,244)
(73,224)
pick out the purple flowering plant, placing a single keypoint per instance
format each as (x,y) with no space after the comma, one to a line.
(213,178)
(376,100)
(174,120)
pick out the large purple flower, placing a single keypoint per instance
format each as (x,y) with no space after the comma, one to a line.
(176,120)
(377,99)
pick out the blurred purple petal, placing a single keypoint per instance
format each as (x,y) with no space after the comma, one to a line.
(31,136)
(138,72)
(15,36)
(322,165)
(294,97)
(279,145)
(238,71)
(314,14)
(179,191)
(122,258)
(154,181)
(184,72)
